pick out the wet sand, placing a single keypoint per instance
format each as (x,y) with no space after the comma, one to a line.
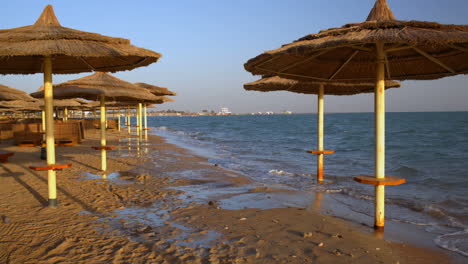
(161,204)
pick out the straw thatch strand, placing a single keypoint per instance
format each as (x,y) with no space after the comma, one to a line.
(156,90)
(414,50)
(73,51)
(276,83)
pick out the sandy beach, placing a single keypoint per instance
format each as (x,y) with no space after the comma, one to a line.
(141,214)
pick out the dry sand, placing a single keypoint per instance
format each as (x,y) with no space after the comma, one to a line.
(94,222)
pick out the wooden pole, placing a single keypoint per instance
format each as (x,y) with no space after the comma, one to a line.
(379,108)
(320,133)
(49,121)
(103,133)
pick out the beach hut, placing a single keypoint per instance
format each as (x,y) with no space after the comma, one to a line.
(377,49)
(47,47)
(276,83)
(98,87)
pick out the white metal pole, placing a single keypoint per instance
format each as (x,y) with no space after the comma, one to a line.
(140,122)
(103,133)
(379,108)
(145,120)
(49,121)
(320,133)
(65,114)
(118,118)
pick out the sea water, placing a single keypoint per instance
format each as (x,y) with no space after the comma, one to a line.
(429,150)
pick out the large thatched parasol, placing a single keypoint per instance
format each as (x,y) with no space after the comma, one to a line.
(33,49)
(276,83)
(100,86)
(379,48)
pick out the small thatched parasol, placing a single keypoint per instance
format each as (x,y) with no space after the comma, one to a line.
(32,49)
(379,48)
(276,83)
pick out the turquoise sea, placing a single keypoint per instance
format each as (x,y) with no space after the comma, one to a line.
(429,149)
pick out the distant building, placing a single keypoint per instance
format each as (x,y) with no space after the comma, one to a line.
(224,111)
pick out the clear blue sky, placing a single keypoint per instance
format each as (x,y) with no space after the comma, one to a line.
(206,42)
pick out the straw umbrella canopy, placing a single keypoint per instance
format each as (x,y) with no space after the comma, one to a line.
(47,47)
(156,90)
(10,94)
(377,49)
(99,86)
(276,83)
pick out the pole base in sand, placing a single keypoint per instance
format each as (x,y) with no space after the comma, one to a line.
(379,228)
(53,203)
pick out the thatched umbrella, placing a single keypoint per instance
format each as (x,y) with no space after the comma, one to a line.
(379,48)
(156,90)
(276,83)
(31,49)
(100,86)
(10,94)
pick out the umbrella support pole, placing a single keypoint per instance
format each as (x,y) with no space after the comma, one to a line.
(320,152)
(140,122)
(103,134)
(128,120)
(118,119)
(145,114)
(320,133)
(65,114)
(49,122)
(379,108)
(379,179)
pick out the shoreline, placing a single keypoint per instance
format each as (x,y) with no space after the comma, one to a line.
(175,225)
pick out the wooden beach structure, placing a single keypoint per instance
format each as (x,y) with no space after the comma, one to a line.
(320,88)
(47,47)
(378,49)
(15,98)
